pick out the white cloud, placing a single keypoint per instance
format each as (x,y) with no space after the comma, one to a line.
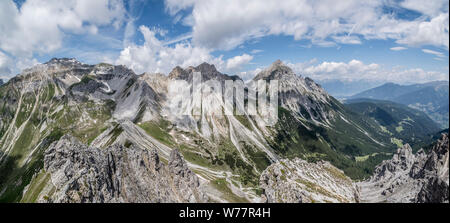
(225,25)
(356,70)
(156,56)
(248,75)
(436,53)
(5,63)
(174,6)
(418,33)
(180,38)
(430,8)
(24,63)
(40,25)
(398,48)
(130,31)
(344,70)
(236,63)
(347,39)
(100,12)
(256,51)
(9,65)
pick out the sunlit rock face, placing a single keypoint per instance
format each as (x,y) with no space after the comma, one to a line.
(298,181)
(78,173)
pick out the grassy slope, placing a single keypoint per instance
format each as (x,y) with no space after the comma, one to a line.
(402,123)
(36,136)
(293,139)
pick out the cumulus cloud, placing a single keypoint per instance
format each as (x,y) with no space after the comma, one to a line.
(248,75)
(398,48)
(418,33)
(356,70)
(5,63)
(156,56)
(9,65)
(226,24)
(40,25)
(236,63)
(341,69)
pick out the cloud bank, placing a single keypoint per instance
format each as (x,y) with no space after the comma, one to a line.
(155,56)
(221,24)
(356,70)
(40,27)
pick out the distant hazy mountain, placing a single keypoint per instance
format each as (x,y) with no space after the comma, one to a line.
(1,82)
(402,123)
(343,89)
(431,98)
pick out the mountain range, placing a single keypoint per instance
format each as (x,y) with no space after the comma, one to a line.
(73,132)
(403,123)
(342,89)
(431,98)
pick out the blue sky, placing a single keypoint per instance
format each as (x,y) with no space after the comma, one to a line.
(396,41)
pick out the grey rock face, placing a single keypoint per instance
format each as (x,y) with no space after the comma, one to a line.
(297,181)
(207,71)
(411,178)
(276,71)
(302,95)
(117,174)
(435,190)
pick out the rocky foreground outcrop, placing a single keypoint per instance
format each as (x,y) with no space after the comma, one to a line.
(408,177)
(298,181)
(80,173)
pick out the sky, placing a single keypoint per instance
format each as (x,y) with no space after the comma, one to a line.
(403,41)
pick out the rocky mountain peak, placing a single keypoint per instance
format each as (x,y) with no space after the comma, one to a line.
(63,61)
(208,71)
(277,63)
(276,71)
(206,68)
(177,72)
